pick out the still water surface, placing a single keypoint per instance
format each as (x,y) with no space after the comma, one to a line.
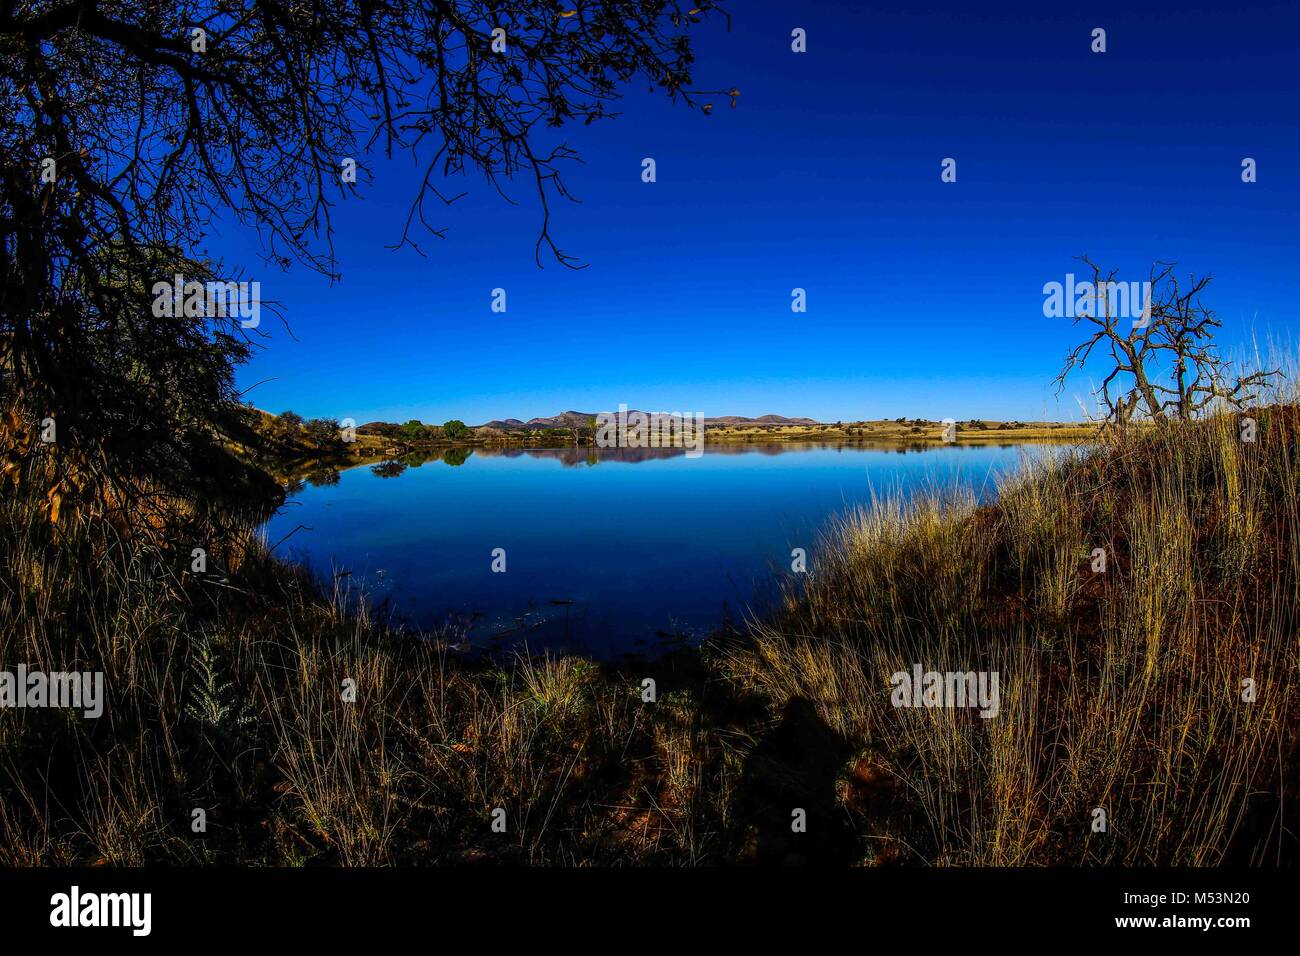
(606,551)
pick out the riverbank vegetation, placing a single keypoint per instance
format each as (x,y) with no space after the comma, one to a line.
(908,431)
(1161,691)
(291,439)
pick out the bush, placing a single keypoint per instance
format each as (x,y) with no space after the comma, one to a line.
(456,429)
(323,431)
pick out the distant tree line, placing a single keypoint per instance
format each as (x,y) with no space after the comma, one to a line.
(290,428)
(416,430)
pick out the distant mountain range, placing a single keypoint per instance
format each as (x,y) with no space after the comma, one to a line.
(573,419)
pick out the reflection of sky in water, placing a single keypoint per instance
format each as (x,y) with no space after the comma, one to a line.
(607,551)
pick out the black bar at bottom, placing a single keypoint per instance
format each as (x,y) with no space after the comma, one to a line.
(651,907)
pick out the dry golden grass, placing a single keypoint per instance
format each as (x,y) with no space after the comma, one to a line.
(229,697)
(1119,690)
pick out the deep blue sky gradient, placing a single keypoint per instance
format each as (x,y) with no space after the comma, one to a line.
(925,298)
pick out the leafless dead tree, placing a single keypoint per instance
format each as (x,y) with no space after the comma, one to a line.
(1165,367)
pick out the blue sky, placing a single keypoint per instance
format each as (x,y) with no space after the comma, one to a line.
(924,298)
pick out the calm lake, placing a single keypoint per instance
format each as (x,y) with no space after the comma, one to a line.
(607,551)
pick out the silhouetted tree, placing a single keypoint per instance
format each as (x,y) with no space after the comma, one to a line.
(1166,365)
(129,127)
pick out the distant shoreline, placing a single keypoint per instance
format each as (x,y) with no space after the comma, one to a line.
(369,450)
(301,446)
(891,430)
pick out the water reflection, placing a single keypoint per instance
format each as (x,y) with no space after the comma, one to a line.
(606,559)
(588,456)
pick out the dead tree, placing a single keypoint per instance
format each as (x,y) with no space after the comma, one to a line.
(1164,366)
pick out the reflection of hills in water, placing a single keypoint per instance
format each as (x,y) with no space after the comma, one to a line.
(586,455)
(592,455)
(628,560)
